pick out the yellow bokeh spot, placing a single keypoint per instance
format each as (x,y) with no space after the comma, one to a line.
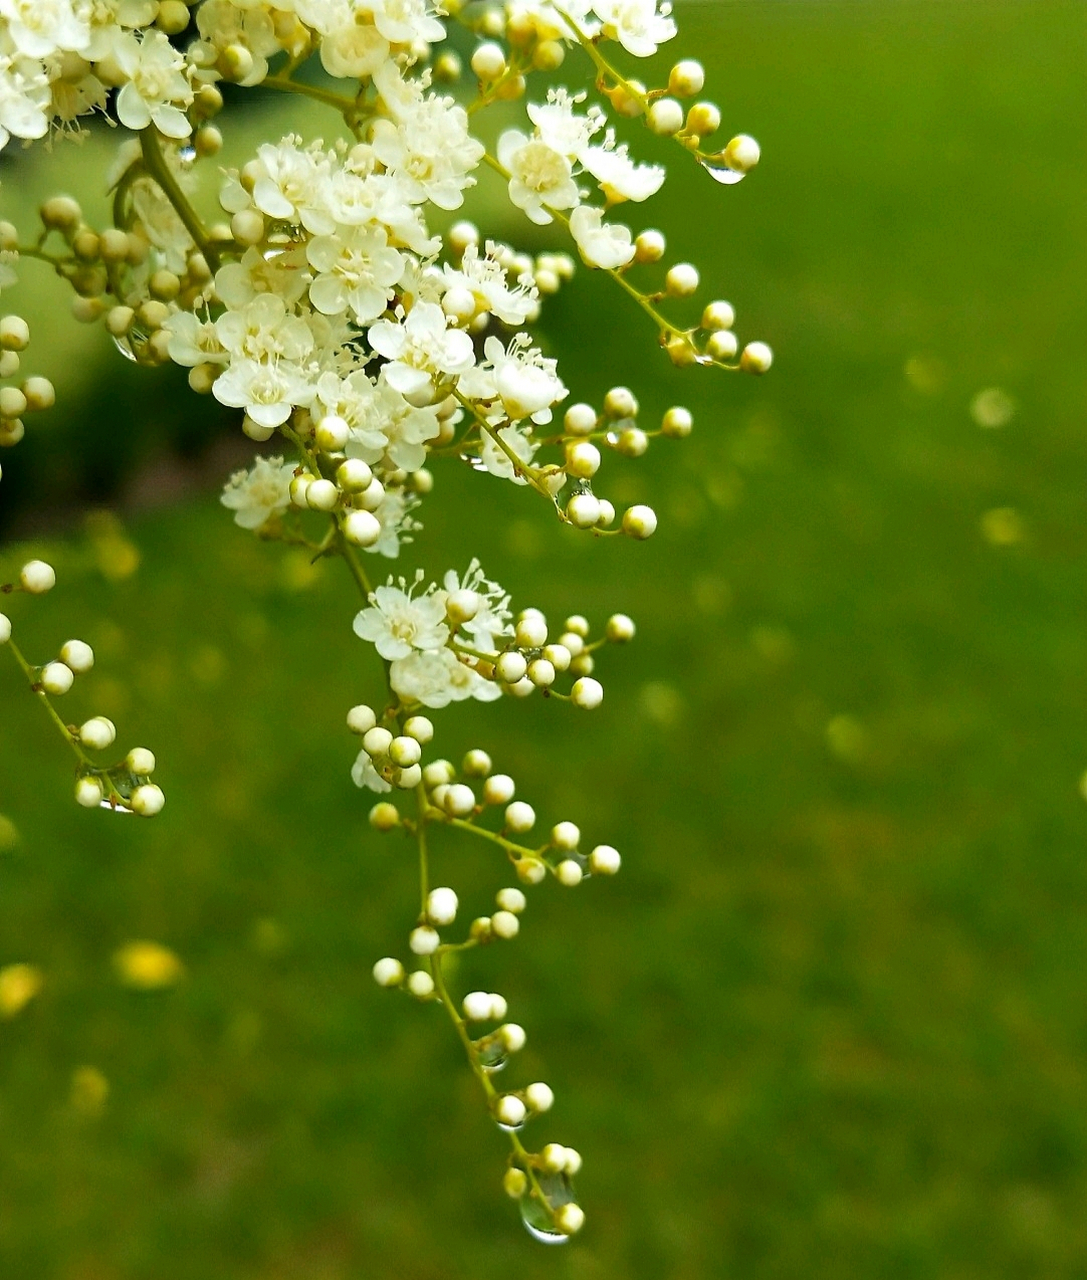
(9,835)
(992,408)
(89,1091)
(1002,527)
(147,966)
(298,571)
(847,738)
(19,984)
(115,555)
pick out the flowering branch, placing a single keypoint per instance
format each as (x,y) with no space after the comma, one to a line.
(324,309)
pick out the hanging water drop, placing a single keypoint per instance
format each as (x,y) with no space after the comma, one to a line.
(720,171)
(539,1215)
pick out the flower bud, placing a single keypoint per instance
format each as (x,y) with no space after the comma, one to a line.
(140,761)
(56,678)
(604,860)
(742,153)
(147,800)
(421,984)
(665,117)
(703,119)
(498,789)
(511,667)
(353,475)
(619,629)
(322,495)
(78,655)
(677,423)
(88,793)
(441,906)
(404,752)
(587,693)
(580,420)
(582,459)
(639,522)
(569,873)
(388,972)
(620,402)
(583,510)
(756,358)
(384,816)
(686,79)
(419,728)
(649,247)
(722,344)
(488,61)
(682,280)
(360,528)
(520,817)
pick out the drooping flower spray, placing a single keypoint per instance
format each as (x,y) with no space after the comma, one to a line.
(318,302)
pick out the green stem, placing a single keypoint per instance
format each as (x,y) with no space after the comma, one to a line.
(43,698)
(509,846)
(345,106)
(157,168)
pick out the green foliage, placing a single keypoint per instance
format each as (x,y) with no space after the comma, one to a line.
(829,1020)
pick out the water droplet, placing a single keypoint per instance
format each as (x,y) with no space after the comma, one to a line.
(187,154)
(113,808)
(537,1216)
(719,171)
(491,1054)
(510,1128)
(125,348)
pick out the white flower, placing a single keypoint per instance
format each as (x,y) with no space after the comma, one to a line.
(549,24)
(351,48)
(560,127)
(264,330)
(421,350)
(619,177)
(525,379)
(194,341)
(497,461)
(354,398)
(601,244)
(255,496)
(493,620)
(397,523)
(636,24)
(290,185)
(266,390)
(223,24)
(405,21)
(41,28)
(486,279)
(357,270)
(363,774)
(157,86)
(539,176)
(437,679)
(397,623)
(406,428)
(426,143)
(25,98)
(283,274)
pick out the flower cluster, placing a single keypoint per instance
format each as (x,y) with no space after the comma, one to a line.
(320,302)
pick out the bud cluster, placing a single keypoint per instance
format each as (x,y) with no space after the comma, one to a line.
(124,787)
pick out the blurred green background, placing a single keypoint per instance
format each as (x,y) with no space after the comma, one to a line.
(830,1020)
